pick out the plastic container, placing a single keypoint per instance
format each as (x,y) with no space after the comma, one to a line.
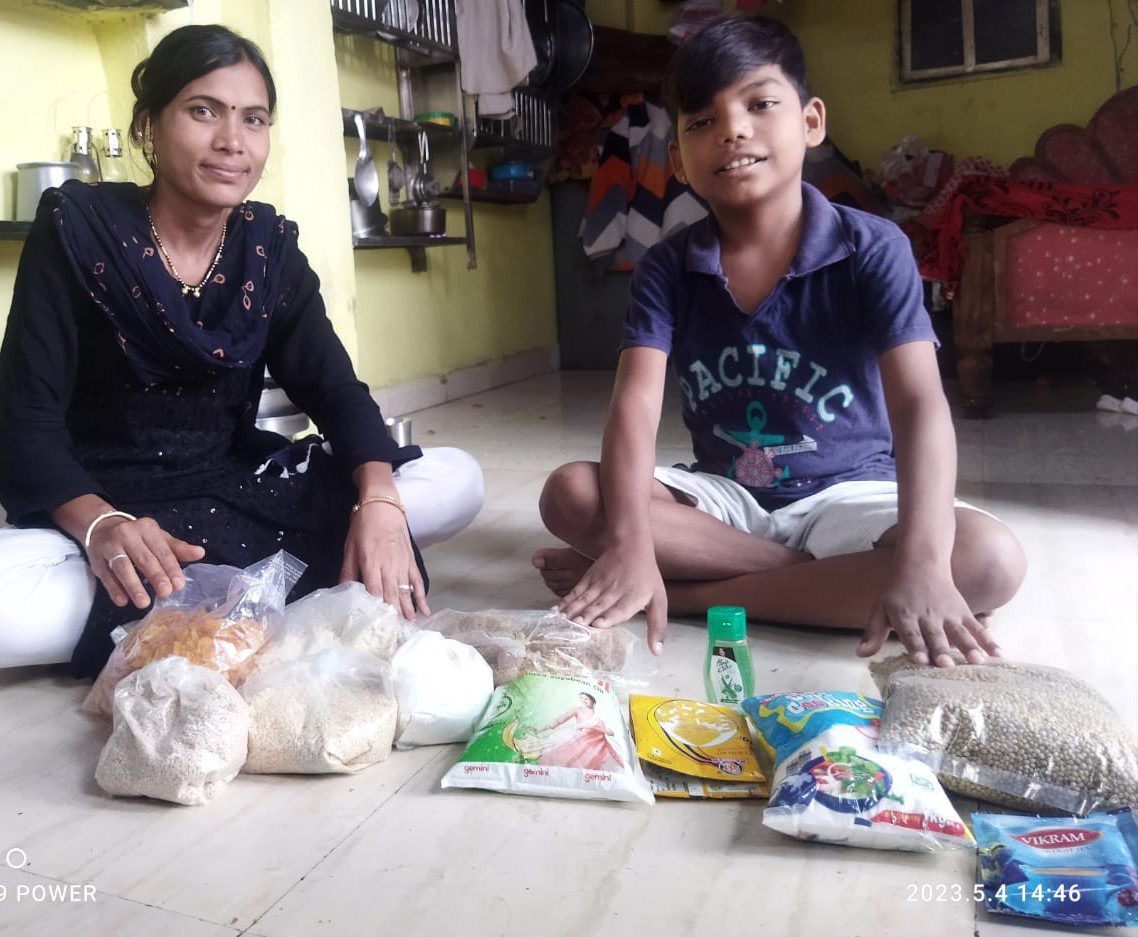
(728,676)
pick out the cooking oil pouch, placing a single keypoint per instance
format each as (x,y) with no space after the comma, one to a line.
(693,740)
(1066,870)
(831,783)
(553,735)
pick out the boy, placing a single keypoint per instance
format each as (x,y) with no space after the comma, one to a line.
(805,357)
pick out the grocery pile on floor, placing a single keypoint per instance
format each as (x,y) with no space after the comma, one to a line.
(224,677)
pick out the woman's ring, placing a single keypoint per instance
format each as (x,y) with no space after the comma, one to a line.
(117,556)
(405,587)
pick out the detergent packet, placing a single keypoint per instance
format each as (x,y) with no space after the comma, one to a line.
(1068,870)
(693,749)
(833,785)
(553,735)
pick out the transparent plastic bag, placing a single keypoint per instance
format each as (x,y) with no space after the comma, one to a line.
(515,641)
(331,712)
(345,616)
(442,687)
(219,620)
(180,734)
(1019,735)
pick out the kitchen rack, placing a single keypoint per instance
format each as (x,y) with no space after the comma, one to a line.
(424,34)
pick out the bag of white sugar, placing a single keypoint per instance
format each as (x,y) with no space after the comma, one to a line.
(442,687)
(832,784)
(328,713)
(180,733)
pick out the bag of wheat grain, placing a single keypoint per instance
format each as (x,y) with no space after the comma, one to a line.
(180,732)
(331,712)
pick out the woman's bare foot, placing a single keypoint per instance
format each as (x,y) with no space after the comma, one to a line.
(561,567)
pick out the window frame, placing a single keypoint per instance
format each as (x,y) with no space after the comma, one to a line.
(1043,46)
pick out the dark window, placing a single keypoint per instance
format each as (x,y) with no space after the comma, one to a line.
(943,38)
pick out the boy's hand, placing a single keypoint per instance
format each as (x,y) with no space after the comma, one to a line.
(926,610)
(620,583)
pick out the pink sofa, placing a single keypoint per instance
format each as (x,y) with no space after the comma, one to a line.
(1033,280)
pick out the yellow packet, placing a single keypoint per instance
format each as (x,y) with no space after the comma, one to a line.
(665,783)
(692,739)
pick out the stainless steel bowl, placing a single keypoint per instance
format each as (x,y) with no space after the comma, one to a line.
(421,219)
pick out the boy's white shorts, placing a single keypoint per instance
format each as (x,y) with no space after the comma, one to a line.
(848,517)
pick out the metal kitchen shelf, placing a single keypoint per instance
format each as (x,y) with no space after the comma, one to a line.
(496,196)
(430,34)
(14,230)
(426,44)
(416,245)
(380,126)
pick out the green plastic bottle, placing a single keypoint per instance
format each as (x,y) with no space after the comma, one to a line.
(727,674)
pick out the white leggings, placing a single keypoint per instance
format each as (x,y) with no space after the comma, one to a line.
(46,586)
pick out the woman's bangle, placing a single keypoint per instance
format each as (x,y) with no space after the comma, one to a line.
(385,499)
(98,520)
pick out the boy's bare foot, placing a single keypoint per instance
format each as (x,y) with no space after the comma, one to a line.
(561,567)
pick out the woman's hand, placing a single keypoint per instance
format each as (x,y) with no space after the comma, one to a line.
(123,552)
(378,553)
(922,604)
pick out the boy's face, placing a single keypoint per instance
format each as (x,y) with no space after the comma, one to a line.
(748,144)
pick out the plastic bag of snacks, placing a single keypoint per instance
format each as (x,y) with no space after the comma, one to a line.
(442,688)
(180,734)
(329,713)
(1070,871)
(1016,734)
(832,784)
(555,736)
(528,641)
(219,620)
(345,616)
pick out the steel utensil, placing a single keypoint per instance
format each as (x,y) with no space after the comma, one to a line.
(367,176)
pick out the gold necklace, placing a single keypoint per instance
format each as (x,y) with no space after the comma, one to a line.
(187,290)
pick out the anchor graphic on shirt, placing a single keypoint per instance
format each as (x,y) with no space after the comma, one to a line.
(755,467)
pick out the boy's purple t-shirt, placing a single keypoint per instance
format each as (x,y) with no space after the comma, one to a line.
(787,400)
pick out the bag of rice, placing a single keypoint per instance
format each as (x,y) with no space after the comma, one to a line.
(345,616)
(218,620)
(1020,735)
(517,641)
(442,687)
(329,713)
(833,785)
(553,735)
(180,734)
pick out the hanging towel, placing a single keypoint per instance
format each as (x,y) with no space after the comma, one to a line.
(497,52)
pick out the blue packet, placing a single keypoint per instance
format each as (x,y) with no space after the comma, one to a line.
(1069,870)
(831,783)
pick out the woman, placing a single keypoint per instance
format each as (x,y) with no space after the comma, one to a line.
(588,746)
(131,371)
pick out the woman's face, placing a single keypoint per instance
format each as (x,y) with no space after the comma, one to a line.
(212,140)
(584,699)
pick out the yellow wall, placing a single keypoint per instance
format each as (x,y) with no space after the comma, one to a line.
(399,326)
(851,53)
(851,59)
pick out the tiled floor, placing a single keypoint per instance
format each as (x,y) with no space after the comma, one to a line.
(387,852)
